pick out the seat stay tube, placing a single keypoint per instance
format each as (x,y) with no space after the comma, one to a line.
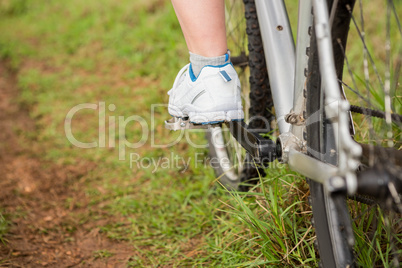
(279,51)
(336,108)
(305,21)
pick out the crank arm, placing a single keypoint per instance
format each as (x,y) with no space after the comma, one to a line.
(261,149)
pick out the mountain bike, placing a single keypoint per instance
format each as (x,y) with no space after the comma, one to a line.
(335,98)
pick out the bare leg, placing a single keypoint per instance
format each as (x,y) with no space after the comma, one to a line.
(203,25)
(215,96)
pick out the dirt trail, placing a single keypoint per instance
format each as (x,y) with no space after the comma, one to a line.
(40,199)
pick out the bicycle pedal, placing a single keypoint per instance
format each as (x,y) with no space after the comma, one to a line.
(176,123)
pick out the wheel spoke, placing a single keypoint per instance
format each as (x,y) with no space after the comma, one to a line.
(362,38)
(387,97)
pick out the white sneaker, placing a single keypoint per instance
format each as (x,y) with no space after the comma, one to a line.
(212,97)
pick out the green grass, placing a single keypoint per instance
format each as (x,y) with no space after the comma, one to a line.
(279,218)
(101,254)
(370,83)
(127,53)
(4,226)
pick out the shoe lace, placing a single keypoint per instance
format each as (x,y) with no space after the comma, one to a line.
(178,78)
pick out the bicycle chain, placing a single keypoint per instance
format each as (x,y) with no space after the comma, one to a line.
(378,114)
(374,113)
(362,199)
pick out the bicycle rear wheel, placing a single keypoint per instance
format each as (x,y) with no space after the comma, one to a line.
(234,168)
(368,68)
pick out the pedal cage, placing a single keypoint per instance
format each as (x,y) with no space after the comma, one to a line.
(176,123)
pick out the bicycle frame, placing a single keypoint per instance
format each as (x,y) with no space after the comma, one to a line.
(279,51)
(286,65)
